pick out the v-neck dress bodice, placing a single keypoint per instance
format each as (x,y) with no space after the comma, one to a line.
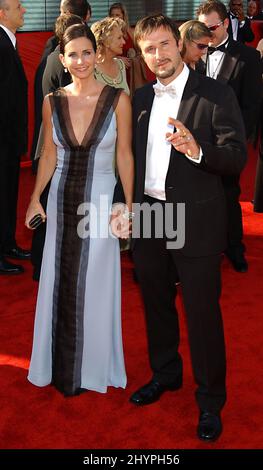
(77,336)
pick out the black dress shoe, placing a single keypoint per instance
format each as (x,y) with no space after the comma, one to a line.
(152,391)
(238,262)
(209,427)
(10,268)
(17,253)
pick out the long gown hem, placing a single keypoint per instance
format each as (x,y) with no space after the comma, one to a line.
(84,387)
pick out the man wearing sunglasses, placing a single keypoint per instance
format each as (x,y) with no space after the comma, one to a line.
(239,25)
(238,65)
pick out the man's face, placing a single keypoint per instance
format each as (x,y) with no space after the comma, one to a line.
(162,54)
(217,27)
(252,9)
(13,14)
(236,6)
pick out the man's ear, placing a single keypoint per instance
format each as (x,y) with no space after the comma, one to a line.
(226,22)
(180,45)
(2,14)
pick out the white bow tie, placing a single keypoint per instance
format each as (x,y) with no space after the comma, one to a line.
(160,90)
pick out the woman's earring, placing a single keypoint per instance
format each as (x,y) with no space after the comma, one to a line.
(65,70)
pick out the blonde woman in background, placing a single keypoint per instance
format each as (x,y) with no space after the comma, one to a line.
(110,69)
(195,39)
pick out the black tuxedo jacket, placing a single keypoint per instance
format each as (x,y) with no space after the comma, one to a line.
(244,34)
(210,111)
(13,99)
(241,70)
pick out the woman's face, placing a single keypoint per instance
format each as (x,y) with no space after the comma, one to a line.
(195,49)
(79,57)
(116,41)
(116,13)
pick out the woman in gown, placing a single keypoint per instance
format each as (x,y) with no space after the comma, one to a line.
(110,68)
(77,341)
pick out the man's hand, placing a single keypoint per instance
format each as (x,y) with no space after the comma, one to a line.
(182,140)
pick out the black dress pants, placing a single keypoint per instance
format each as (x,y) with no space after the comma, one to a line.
(9,181)
(157,268)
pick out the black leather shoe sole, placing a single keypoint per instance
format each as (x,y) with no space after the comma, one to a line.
(19,256)
(151,392)
(209,427)
(9,272)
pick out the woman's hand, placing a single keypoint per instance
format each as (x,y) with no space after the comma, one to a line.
(120,221)
(34,208)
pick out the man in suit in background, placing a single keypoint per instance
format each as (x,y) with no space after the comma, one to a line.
(13,132)
(239,27)
(188,132)
(238,66)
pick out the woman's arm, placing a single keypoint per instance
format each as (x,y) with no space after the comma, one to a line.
(125,163)
(47,164)
(121,220)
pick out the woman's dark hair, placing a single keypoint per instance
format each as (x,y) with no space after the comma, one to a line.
(77,31)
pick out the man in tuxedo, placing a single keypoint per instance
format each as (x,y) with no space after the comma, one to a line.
(239,27)
(188,132)
(13,132)
(238,66)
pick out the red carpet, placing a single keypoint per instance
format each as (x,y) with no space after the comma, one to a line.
(34,417)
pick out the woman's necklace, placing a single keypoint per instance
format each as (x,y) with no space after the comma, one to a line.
(109,80)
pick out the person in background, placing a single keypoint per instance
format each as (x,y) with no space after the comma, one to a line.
(237,65)
(252,10)
(258,192)
(118,10)
(239,27)
(138,74)
(195,38)
(77,342)
(13,132)
(188,131)
(80,8)
(110,69)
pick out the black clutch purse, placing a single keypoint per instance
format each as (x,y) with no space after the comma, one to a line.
(35,221)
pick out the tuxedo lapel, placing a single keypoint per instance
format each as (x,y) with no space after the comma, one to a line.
(229,63)
(189,97)
(141,125)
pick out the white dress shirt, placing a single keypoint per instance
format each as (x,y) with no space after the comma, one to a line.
(158,149)
(214,61)
(236,25)
(10,35)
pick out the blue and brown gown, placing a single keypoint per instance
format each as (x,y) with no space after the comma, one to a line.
(77,335)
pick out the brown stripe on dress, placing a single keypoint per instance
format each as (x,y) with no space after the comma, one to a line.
(72,252)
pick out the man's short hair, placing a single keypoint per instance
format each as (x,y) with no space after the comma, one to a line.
(151,23)
(76,7)
(212,5)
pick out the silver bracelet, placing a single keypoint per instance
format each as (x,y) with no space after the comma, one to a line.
(128,215)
